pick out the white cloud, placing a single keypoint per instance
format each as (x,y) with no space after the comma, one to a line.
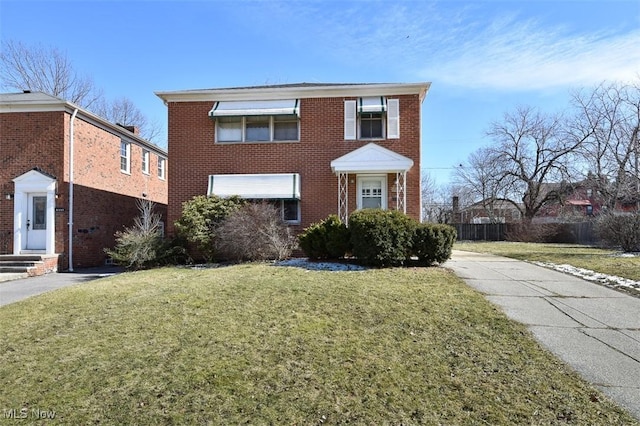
(460,44)
(522,56)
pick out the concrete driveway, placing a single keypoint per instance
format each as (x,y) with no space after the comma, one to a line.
(594,329)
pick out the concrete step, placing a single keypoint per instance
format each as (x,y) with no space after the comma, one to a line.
(15,269)
(26,264)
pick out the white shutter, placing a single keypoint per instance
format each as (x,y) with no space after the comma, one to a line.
(350,120)
(393,118)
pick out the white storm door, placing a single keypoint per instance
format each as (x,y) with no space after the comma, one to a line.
(37,222)
(372,192)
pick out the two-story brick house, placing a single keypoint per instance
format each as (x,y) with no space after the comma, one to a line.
(312,149)
(70,179)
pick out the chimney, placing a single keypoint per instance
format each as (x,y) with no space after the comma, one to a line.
(133,129)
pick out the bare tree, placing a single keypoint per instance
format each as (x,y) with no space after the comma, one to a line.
(532,154)
(484,180)
(44,69)
(49,70)
(611,113)
(124,112)
(437,200)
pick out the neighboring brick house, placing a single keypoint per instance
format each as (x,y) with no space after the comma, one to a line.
(312,149)
(65,202)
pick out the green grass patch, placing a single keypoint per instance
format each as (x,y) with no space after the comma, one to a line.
(595,259)
(262,344)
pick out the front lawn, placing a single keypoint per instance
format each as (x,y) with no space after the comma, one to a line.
(600,260)
(263,344)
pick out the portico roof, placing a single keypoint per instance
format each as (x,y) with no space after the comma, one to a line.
(371,158)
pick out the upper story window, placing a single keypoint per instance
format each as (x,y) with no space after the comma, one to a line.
(259,121)
(257,129)
(371,118)
(145,161)
(125,157)
(161,167)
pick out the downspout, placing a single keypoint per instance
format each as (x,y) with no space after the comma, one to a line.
(71,126)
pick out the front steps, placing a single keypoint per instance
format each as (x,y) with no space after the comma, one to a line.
(27,265)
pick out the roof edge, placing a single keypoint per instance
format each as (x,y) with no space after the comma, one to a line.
(294,91)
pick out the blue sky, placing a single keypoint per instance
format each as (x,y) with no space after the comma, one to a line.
(483,58)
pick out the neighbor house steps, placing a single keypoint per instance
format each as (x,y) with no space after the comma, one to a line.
(27,264)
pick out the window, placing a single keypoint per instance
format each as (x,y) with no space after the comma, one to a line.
(289,210)
(125,155)
(372,118)
(161,167)
(145,161)
(229,129)
(257,128)
(371,125)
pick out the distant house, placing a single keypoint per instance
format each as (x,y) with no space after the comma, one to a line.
(486,211)
(311,149)
(575,202)
(70,179)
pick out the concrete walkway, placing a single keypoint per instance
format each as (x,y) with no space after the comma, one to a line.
(15,287)
(593,329)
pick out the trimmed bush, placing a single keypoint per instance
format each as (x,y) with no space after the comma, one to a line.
(432,243)
(381,237)
(620,230)
(327,239)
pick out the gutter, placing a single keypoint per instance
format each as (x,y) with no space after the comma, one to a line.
(71,132)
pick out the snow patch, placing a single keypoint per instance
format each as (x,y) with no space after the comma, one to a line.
(320,266)
(586,274)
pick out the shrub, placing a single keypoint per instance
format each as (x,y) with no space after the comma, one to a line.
(620,230)
(432,243)
(200,219)
(142,246)
(381,237)
(327,239)
(255,231)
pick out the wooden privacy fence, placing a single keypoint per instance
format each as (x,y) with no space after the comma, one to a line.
(575,232)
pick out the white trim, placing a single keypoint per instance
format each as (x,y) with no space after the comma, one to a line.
(28,183)
(295,91)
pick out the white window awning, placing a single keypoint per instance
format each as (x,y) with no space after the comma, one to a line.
(243,108)
(372,104)
(284,186)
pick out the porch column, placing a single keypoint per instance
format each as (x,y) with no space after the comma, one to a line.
(343,196)
(401,194)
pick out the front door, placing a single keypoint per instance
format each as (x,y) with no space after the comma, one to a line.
(372,193)
(36,225)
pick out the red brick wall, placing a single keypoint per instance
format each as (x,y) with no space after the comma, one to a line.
(195,156)
(27,140)
(104,197)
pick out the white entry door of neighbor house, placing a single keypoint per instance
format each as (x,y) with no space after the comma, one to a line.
(372,192)
(36,225)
